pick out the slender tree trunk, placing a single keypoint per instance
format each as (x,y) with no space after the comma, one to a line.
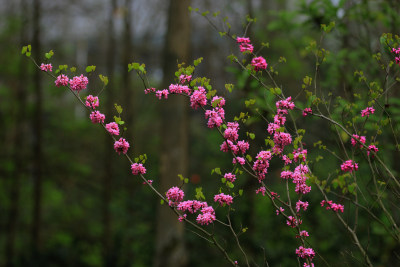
(108,152)
(170,250)
(19,158)
(37,140)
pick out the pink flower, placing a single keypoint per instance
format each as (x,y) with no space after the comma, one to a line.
(272,127)
(349,166)
(218,101)
(162,93)
(229,146)
(62,80)
(307,111)
(304,233)
(280,210)
(92,101)
(274,195)
(179,89)
(239,160)
(79,83)
(242,40)
(138,168)
(46,67)
(293,222)
(182,218)
(174,196)
(121,146)
(362,139)
(223,199)
(285,104)
(286,174)
(149,90)
(207,216)
(305,253)
(112,128)
(198,98)
(301,205)
(367,111)
(244,47)
(185,78)
(300,153)
(231,132)
(215,117)
(243,146)
(286,159)
(259,63)
(261,190)
(372,148)
(191,206)
(333,206)
(97,117)
(230,177)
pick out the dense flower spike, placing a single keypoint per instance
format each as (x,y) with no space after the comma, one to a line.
(112,128)
(366,112)
(97,117)
(259,63)
(79,83)
(46,67)
(349,166)
(198,98)
(138,168)
(207,216)
(62,80)
(121,146)
(174,196)
(333,206)
(223,199)
(92,101)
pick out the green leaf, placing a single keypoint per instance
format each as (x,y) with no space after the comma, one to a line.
(90,68)
(162,201)
(104,79)
(186,180)
(49,54)
(181,177)
(199,193)
(240,192)
(118,108)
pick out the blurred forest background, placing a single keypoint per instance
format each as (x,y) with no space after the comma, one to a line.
(67,199)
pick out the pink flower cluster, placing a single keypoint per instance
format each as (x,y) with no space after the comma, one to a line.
(307,111)
(299,178)
(79,83)
(239,160)
(207,216)
(179,89)
(259,63)
(261,165)
(223,199)
(349,166)
(92,101)
(97,117)
(138,168)
(397,53)
(230,177)
(162,93)
(62,80)
(372,148)
(121,146)
(293,222)
(185,78)
(279,211)
(174,196)
(112,128)
(231,131)
(366,112)
(354,142)
(301,205)
(198,98)
(332,206)
(300,154)
(191,206)
(46,67)
(261,190)
(215,117)
(244,44)
(304,253)
(149,90)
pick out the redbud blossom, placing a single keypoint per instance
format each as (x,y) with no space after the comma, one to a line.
(112,128)
(97,117)
(62,80)
(174,196)
(92,101)
(138,168)
(366,112)
(259,63)
(79,83)
(121,146)
(46,67)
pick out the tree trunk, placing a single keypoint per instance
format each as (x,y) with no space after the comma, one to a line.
(37,140)
(18,156)
(170,249)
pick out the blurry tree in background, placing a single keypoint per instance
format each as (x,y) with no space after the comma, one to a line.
(65,197)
